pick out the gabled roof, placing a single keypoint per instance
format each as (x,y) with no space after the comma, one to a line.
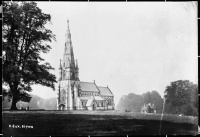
(98,98)
(105,91)
(87,86)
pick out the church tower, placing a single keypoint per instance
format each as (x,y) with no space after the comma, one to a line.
(68,81)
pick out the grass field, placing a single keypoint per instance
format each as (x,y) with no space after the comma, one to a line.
(95,123)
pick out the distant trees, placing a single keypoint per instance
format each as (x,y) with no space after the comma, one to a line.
(35,103)
(182,98)
(134,103)
(130,102)
(147,97)
(24,39)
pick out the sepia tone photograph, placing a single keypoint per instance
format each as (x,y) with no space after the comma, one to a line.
(99,68)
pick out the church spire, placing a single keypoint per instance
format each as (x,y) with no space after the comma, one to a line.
(68,56)
(68,24)
(68,34)
(68,51)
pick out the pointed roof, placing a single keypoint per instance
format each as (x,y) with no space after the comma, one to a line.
(68,63)
(68,57)
(105,91)
(88,87)
(68,34)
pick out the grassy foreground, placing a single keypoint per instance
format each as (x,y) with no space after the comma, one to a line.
(37,123)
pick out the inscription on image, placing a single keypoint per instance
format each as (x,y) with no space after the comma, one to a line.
(20,126)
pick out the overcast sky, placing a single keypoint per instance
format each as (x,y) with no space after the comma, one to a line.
(132,47)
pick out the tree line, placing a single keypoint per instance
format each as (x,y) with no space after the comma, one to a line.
(181,97)
(133,102)
(36,102)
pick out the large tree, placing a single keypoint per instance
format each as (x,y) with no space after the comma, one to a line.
(130,102)
(154,98)
(181,98)
(147,97)
(24,39)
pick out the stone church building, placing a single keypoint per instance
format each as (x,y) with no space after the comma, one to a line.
(75,94)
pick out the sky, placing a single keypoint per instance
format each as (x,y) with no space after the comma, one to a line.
(132,47)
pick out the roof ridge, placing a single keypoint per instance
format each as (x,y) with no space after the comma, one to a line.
(89,87)
(106,88)
(97,88)
(110,91)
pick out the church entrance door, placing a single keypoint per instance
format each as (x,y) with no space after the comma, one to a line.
(62,107)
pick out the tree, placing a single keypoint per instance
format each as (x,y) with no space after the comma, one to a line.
(24,39)
(147,97)
(155,99)
(181,97)
(130,102)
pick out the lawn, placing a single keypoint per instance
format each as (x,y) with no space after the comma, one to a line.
(95,123)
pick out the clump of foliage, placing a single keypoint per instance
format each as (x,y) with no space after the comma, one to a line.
(182,98)
(24,39)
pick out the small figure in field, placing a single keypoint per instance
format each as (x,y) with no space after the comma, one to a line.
(127,110)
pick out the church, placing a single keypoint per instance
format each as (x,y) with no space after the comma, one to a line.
(74,94)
